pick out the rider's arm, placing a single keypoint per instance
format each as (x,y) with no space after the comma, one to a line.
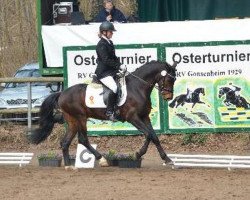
(106,59)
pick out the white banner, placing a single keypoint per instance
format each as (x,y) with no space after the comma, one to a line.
(57,37)
(211,61)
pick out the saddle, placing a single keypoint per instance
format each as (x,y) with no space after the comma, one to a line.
(96,93)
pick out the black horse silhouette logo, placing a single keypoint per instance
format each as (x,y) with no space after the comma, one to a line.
(232,98)
(183,98)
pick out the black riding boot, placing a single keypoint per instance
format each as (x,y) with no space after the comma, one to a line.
(111,104)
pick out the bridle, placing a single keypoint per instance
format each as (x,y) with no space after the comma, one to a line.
(160,89)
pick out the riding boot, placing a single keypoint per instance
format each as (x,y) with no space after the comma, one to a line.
(111,104)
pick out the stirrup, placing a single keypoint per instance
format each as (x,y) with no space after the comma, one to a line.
(111,116)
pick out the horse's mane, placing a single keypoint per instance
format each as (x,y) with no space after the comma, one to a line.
(225,87)
(199,88)
(138,70)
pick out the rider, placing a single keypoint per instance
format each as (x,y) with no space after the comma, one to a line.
(189,94)
(108,65)
(235,89)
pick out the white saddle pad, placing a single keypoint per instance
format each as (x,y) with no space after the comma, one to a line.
(94,95)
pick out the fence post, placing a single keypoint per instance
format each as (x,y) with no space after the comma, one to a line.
(29,107)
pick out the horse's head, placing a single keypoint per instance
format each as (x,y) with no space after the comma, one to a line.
(221,92)
(203,91)
(166,81)
(200,91)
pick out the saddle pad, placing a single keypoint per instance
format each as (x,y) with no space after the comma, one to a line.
(94,95)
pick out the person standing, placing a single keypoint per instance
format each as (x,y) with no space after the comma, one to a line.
(110,13)
(108,65)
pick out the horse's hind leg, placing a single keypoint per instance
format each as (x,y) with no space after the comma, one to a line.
(83,138)
(66,141)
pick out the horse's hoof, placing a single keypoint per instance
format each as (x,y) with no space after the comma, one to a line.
(71,168)
(103,162)
(137,155)
(168,161)
(171,163)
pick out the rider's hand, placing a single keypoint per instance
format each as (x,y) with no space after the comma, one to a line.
(123,69)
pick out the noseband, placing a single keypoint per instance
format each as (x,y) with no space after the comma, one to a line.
(162,89)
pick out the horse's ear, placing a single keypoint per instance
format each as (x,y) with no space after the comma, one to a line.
(174,65)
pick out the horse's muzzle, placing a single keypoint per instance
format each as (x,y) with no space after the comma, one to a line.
(167,96)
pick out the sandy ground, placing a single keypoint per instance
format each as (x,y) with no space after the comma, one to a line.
(152,181)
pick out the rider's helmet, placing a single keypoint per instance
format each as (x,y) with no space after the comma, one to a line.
(107,26)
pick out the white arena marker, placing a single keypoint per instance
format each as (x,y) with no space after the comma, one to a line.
(84,158)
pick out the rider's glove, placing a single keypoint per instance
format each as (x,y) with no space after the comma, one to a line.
(123,69)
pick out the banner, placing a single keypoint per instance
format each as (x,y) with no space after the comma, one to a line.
(212,87)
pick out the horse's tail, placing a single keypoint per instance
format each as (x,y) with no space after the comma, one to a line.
(172,104)
(46,121)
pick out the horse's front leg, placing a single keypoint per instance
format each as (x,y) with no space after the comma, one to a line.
(161,151)
(146,127)
(201,102)
(227,103)
(143,149)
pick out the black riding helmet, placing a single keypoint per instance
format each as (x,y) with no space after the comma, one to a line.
(107,26)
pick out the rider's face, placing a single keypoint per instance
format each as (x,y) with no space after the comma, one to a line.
(109,34)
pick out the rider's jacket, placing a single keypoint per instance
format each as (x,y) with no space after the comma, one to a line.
(234,88)
(107,62)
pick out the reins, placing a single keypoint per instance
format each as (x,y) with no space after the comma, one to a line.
(150,84)
(139,78)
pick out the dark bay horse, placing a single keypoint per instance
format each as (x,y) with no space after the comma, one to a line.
(232,99)
(136,110)
(182,99)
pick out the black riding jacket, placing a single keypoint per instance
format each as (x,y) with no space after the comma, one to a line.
(107,62)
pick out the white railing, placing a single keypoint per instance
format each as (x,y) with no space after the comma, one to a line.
(15,158)
(213,161)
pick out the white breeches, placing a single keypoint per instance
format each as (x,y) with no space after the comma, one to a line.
(110,83)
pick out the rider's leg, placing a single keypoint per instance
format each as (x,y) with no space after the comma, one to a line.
(110,83)
(189,92)
(111,104)
(237,95)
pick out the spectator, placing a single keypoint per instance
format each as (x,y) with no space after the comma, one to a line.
(110,13)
